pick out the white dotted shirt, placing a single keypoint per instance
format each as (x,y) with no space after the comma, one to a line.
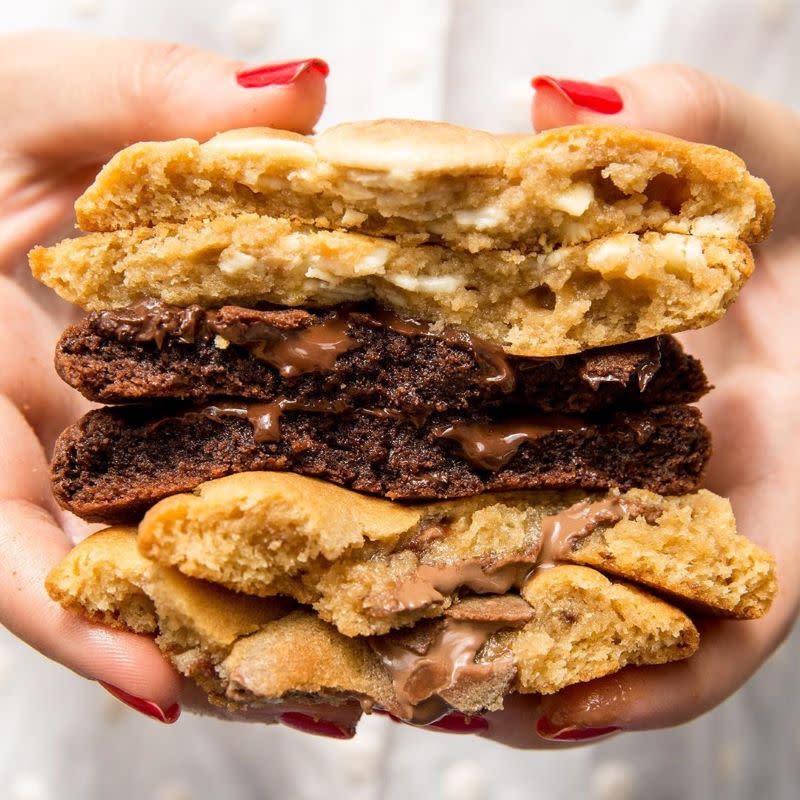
(469,62)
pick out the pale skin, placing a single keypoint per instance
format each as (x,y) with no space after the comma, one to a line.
(71,102)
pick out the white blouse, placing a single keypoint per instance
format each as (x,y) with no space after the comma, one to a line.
(469,62)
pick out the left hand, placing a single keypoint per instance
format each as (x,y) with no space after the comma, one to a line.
(751,356)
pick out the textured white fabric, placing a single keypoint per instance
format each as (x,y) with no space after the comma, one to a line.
(470,62)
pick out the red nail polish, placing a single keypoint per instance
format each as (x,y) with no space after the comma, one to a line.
(384,713)
(279,74)
(146,707)
(319,727)
(593,96)
(549,730)
(459,723)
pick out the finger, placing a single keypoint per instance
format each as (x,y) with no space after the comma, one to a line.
(730,651)
(645,698)
(515,725)
(36,199)
(337,721)
(27,338)
(131,666)
(640,698)
(685,102)
(109,93)
(32,544)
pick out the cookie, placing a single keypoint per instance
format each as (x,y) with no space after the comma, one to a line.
(363,357)
(116,462)
(616,289)
(467,188)
(573,624)
(367,565)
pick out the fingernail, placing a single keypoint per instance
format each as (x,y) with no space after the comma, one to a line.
(279,74)
(319,727)
(592,96)
(146,707)
(550,730)
(459,723)
(384,713)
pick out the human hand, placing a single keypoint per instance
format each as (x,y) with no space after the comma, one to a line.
(753,413)
(70,102)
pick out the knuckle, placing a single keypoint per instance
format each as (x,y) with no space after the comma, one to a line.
(703,102)
(146,80)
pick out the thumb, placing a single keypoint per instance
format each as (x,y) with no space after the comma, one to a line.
(693,105)
(78,98)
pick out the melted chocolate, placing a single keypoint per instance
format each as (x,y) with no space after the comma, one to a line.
(595,375)
(432,583)
(265,418)
(487,446)
(422,673)
(313,348)
(597,379)
(428,532)
(559,532)
(420,679)
(493,361)
(508,608)
(152,321)
(647,370)
(491,446)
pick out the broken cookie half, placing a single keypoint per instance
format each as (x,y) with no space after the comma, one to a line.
(417,609)
(571,624)
(467,188)
(368,565)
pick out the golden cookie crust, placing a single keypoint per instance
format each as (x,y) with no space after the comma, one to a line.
(580,616)
(619,288)
(467,188)
(245,651)
(351,557)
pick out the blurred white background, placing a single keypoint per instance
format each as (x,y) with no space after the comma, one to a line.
(468,62)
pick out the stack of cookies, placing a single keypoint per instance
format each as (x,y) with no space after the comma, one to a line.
(396,416)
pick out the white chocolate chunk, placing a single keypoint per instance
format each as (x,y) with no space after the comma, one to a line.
(480,218)
(575,200)
(374,263)
(232,261)
(613,252)
(427,284)
(714,225)
(274,147)
(353,218)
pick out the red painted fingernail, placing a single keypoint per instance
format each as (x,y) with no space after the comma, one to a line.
(319,727)
(594,96)
(459,723)
(279,74)
(549,730)
(384,713)
(146,707)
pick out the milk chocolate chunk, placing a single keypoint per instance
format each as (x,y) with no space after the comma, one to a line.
(115,463)
(510,609)
(365,357)
(435,662)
